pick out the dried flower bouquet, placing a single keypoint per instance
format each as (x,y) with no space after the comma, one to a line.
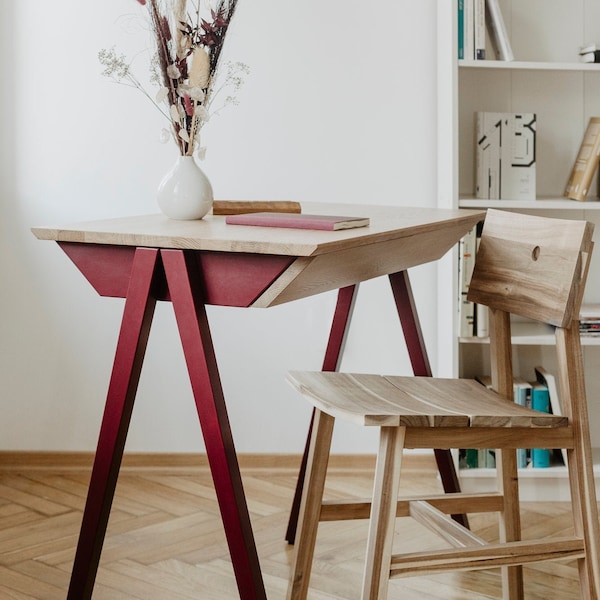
(189,37)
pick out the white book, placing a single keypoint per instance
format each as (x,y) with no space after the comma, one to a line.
(469,29)
(497,29)
(466,263)
(479,29)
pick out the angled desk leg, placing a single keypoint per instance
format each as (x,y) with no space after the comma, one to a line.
(407,311)
(131,347)
(333,354)
(185,288)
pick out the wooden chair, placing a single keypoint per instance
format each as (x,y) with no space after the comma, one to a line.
(534,267)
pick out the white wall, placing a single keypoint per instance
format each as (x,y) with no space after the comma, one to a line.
(339,106)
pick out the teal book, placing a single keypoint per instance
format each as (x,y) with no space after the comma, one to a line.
(461,29)
(540,400)
(522,397)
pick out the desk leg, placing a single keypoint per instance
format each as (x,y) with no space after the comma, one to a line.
(184,282)
(131,347)
(407,311)
(333,354)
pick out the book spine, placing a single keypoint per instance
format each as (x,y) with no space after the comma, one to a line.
(521,392)
(586,163)
(466,258)
(497,29)
(479,29)
(482,318)
(461,29)
(540,400)
(469,29)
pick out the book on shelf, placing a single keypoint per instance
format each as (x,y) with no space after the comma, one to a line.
(471,29)
(540,400)
(505,156)
(497,30)
(589,47)
(590,57)
(486,456)
(589,320)
(586,162)
(473,318)
(482,312)
(479,29)
(522,397)
(461,29)
(467,249)
(545,378)
(468,29)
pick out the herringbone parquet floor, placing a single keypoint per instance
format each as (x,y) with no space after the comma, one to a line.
(165,540)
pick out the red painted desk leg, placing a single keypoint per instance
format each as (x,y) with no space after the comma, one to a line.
(333,354)
(133,338)
(183,279)
(407,311)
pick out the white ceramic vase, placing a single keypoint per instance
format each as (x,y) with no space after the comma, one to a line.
(185,193)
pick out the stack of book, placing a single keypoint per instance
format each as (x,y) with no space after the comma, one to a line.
(474,17)
(589,320)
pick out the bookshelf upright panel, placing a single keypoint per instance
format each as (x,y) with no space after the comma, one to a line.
(548,79)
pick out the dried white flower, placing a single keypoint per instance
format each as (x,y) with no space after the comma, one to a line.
(196,93)
(201,153)
(200,68)
(174,110)
(202,114)
(183,134)
(173,72)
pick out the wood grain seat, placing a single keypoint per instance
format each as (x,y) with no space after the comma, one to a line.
(377,400)
(533,267)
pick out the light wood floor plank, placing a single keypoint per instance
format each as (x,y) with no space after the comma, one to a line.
(165,539)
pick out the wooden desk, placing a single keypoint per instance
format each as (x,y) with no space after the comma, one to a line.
(195,263)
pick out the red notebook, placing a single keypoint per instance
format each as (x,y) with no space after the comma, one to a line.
(297,221)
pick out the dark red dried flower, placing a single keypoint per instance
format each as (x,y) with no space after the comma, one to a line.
(142,2)
(188,105)
(165,29)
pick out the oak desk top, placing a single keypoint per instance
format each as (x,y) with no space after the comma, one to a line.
(397,238)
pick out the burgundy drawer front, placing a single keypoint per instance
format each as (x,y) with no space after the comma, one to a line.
(230,279)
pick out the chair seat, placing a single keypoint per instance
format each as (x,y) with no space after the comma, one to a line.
(377,400)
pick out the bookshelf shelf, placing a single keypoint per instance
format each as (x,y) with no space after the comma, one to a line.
(546,78)
(531,334)
(521,65)
(539,204)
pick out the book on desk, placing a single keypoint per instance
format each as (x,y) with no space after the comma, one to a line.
(297,221)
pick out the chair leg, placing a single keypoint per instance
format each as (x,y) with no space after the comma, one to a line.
(585,516)
(510,520)
(310,506)
(383,513)
(579,459)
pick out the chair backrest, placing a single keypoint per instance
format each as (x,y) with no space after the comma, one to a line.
(532,266)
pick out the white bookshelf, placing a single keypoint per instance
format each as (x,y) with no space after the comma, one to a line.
(546,78)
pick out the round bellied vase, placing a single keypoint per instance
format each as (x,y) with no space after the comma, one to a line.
(185,193)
